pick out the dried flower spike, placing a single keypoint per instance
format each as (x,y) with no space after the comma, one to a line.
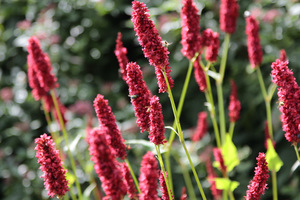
(152,44)
(148,177)
(54,174)
(229,12)
(107,118)
(234,104)
(190,32)
(106,166)
(253,42)
(202,127)
(121,52)
(140,95)
(258,184)
(163,187)
(131,191)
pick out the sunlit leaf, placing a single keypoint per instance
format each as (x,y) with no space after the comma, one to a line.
(273,160)
(226,184)
(230,154)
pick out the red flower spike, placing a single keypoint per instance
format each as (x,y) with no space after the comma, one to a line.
(121,53)
(212,50)
(234,104)
(211,175)
(106,166)
(289,99)
(163,188)
(200,76)
(190,32)
(157,126)
(253,42)
(148,177)
(131,191)
(140,95)
(219,158)
(267,136)
(41,64)
(202,127)
(282,55)
(54,174)
(183,194)
(258,184)
(206,37)
(152,44)
(229,12)
(107,118)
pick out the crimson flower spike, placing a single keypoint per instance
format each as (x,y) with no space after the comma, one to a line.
(282,55)
(202,127)
(258,184)
(219,158)
(234,104)
(131,191)
(54,174)
(157,127)
(106,166)
(106,118)
(200,76)
(148,177)
(211,176)
(190,32)
(152,44)
(183,194)
(289,98)
(229,12)
(121,53)
(212,50)
(253,42)
(41,80)
(163,187)
(140,95)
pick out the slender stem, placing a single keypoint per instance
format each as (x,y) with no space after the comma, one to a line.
(261,82)
(224,57)
(231,195)
(181,136)
(225,196)
(133,175)
(297,153)
(65,135)
(231,129)
(164,171)
(274,185)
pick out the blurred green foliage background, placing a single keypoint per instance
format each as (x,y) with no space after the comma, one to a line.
(79,37)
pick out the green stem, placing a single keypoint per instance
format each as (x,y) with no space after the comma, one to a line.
(164,171)
(231,129)
(297,153)
(133,175)
(274,185)
(231,195)
(224,57)
(225,196)
(181,136)
(65,135)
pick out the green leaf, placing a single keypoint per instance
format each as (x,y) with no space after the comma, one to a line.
(87,192)
(230,154)
(226,184)
(274,162)
(70,177)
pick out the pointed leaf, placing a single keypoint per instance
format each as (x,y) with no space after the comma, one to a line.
(273,160)
(230,154)
(226,184)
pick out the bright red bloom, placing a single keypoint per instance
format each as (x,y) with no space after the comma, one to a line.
(190,32)
(183,194)
(148,177)
(202,127)
(255,53)
(199,76)
(258,184)
(282,56)
(40,62)
(157,126)
(234,104)
(106,166)
(140,95)
(163,188)
(121,53)
(229,12)
(289,98)
(54,174)
(107,118)
(212,50)
(211,175)
(131,191)
(219,158)
(152,44)
(267,136)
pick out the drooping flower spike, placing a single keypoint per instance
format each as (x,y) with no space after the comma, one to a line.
(258,184)
(200,76)
(219,158)
(106,118)
(121,54)
(229,12)
(140,95)
(190,32)
(106,166)
(202,127)
(131,191)
(255,53)
(54,174)
(152,44)
(163,187)
(234,104)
